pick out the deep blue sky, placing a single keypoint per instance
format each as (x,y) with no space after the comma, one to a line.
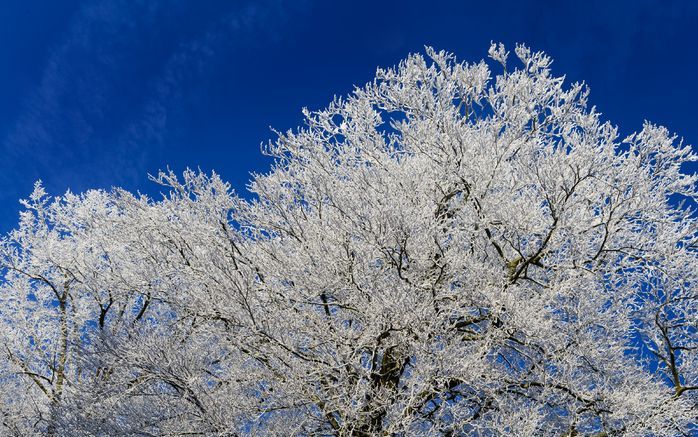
(97,94)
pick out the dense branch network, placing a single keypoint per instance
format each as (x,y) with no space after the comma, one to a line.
(443,252)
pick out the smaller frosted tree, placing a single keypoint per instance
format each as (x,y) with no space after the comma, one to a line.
(440,253)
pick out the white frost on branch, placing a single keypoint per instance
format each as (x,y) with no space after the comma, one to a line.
(440,253)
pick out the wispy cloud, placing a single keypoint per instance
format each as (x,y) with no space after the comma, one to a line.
(110,89)
(69,116)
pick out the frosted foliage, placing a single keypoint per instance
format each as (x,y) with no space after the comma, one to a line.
(450,250)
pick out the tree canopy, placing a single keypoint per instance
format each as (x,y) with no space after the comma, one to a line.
(453,249)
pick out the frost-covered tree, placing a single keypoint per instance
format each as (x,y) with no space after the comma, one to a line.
(440,253)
